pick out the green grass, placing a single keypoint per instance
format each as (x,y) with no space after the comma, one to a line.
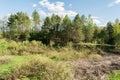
(115,76)
(3,47)
(6,68)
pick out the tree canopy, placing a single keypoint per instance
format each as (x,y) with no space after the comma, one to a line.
(59,30)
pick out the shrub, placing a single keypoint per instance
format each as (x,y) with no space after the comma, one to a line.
(26,48)
(4,52)
(34,43)
(95,56)
(42,69)
(70,55)
(5,59)
(13,45)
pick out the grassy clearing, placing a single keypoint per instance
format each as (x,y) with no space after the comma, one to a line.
(35,66)
(5,69)
(15,61)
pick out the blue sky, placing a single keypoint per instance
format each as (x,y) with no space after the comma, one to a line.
(101,10)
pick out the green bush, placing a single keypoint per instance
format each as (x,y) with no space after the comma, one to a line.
(13,45)
(42,69)
(26,48)
(69,55)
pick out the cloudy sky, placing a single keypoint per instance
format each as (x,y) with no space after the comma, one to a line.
(102,11)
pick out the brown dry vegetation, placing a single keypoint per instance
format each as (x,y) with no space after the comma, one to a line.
(95,69)
(5,59)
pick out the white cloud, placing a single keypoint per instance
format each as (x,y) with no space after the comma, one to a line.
(70,13)
(42,13)
(95,17)
(30,17)
(96,20)
(34,5)
(56,8)
(8,15)
(52,6)
(116,2)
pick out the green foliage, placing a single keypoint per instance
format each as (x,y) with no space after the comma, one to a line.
(60,31)
(3,44)
(103,35)
(69,54)
(47,24)
(110,33)
(36,20)
(54,33)
(88,29)
(66,30)
(77,29)
(42,69)
(116,33)
(6,69)
(26,48)
(115,76)
(46,30)
(99,33)
(18,24)
(55,20)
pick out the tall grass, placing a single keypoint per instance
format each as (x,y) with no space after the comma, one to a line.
(41,68)
(5,59)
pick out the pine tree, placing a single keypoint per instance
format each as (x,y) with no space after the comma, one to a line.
(47,24)
(55,28)
(66,29)
(110,33)
(19,25)
(88,29)
(77,29)
(36,20)
(116,32)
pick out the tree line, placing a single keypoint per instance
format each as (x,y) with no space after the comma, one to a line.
(59,30)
